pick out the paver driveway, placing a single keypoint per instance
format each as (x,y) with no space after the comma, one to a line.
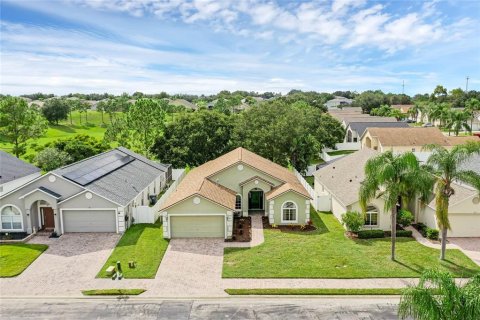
(470,246)
(68,265)
(190,267)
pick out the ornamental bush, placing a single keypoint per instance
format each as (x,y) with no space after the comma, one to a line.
(405,218)
(371,234)
(353,220)
(432,234)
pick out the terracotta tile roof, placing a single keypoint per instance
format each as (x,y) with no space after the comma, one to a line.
(408,136)
(197,181)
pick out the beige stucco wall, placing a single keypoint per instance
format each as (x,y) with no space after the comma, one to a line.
(384,217)
(80,201)
(374,141)
(232,177)
(188,207)
(302,207)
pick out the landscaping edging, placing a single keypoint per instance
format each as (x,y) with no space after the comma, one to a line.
(24,240)
(314,291)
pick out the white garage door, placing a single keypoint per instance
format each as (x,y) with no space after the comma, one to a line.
(197,226)
(89,221)
(464,225)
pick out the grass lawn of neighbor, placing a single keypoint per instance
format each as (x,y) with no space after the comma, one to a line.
(340,152)
(327,253)
(113,292)
(313,291)
(15,258)
(142,243)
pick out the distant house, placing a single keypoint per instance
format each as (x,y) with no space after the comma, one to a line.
(183,103)
(408,139)
(338,102)
(14,172)
(97,194)
(356,129)
(404,108)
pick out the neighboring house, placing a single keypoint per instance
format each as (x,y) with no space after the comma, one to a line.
(15,172)
(340,114)
(356,129)
(365,118)
(337,186)
(404,108)
(338,102)
(97,194)
(408,139)
(239,182)
(184,103)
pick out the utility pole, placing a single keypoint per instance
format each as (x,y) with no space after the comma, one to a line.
(403,86)
(466,86)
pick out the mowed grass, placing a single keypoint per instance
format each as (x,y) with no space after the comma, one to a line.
(113,292)
(327,253)
(314,291)
(94,127)
(15,258)
(142,243)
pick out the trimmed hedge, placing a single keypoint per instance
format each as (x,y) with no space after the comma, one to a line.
(432,234)
(370,234)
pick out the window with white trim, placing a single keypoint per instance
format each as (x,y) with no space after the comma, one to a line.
(289,212)
(11,218)
(238,202)
(371,216)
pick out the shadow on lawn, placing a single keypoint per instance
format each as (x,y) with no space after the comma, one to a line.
(134,233)
(64,128)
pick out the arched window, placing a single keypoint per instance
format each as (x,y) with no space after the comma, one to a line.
(238,202)
(371,216)
(289,212)
(11,218)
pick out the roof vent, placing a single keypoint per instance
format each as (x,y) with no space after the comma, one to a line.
(333,167)
(350,180)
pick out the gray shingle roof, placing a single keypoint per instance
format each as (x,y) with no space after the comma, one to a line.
(12,168)
(344,176)
(123,184)
(360,127)
(473,163)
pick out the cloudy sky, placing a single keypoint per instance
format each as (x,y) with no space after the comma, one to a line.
(204,46)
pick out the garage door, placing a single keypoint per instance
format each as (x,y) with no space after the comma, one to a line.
(197,226)
(89,221)
(464,225)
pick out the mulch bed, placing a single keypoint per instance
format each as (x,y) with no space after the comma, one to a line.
(242,229)
(288,228)
(13,235)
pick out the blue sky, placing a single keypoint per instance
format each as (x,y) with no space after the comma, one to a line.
(204,46)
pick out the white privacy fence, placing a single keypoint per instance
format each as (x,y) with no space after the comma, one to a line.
(146,214)
(308,187)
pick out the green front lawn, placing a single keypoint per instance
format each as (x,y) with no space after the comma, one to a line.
(310,180)
(327,253)
(313,291)
(14,258)
(113,292)
(340,152)
(142,243)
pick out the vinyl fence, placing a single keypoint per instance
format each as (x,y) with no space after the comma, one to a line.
(308,187)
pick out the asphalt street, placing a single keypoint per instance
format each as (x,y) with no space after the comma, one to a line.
(345,308)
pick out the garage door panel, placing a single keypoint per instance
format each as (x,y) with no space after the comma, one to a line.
(89,221)
(464,225)
(197,226)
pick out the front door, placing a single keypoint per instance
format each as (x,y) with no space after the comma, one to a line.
(255,200)
(48,219)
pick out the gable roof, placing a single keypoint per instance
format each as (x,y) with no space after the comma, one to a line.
(413,136)
(454,141)
(366,118)
(12,168)
(462,192)
(197,181)
(360,127)
(123,183)
(343,177)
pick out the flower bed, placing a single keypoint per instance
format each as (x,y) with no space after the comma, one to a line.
(288,228)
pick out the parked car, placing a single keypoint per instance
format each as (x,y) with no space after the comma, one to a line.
(428,124)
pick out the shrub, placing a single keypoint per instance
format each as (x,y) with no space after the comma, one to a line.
(51,158)
(432,234)
(353,220)
(370,234)
(405,218)
(400,233)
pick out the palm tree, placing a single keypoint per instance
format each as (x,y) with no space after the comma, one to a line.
(394,177)
(457,120)
(472,106)
(445,165)
(438,297)
(415,110)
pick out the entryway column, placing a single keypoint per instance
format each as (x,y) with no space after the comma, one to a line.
(271,212)
(229,224)
(56,217)
(29,221)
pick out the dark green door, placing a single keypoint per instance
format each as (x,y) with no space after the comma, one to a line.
(255,200)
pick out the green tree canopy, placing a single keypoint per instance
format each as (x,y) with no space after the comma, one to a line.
(51,158)
(20,122)
(79,147)
(55,109)
(194,138)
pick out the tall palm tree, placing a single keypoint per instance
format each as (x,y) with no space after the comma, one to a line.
(445,165)
(438,297)
(394,177)
(457,120)
(472,106)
